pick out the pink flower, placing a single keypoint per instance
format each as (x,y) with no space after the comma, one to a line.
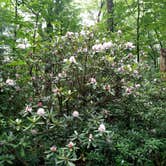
(33,78)
(70,145)
(75,114)
(10,82)
(98,48)
(92,81)
(128,90)
(41,112)
(40,104)
(101,128)
(28,108)
(107,45)
(53,148)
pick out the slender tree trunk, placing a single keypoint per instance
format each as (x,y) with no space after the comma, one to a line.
(49,64)
(163,63)
(163,60)
(16,20)
(99,13)
(34,66)
(110,12)
(138,30)
(35,32)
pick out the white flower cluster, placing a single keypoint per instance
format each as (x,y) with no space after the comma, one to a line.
(41,112)
(28,108)
(129,45)
(62,75)
(102,47)
(53,148)
(10,82)
(92,81)
(69,34)
(119,32)
(101,128)
(71,60)
(75,114)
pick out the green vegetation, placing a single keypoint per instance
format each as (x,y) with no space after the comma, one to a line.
(77,95)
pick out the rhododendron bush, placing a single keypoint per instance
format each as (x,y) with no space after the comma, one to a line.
(81,99)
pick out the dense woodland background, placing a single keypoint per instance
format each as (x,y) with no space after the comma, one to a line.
(83,83)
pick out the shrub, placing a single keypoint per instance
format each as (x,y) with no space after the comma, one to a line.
(81,99)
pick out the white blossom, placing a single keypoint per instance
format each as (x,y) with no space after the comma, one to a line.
(129,67)
(6,59)
(72,59)
(119,32)
(129,45)
(137,86)
(28,108)
(92,80)
(69,34)
(129,90)
(10,82)
(83,33)
(90,137)
(65,60)
(98,48)
(85,50)
(75,114)
(41,112)
(107,45)
(101,128)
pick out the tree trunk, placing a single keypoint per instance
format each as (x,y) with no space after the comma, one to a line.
(110,20)
(48,64)
(100,10)
(16,22)
(163,63)
(138,30)
(163,60)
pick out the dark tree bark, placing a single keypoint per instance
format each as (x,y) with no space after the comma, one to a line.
(48,63)
(163,63)
(163,60)
(138,30)
(110,12)
(99,13)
